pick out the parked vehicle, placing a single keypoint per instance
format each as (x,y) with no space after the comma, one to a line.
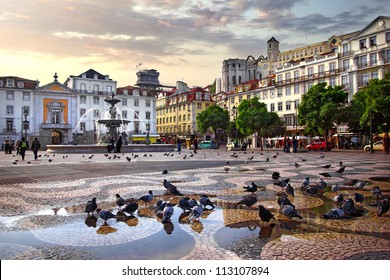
(320,145)
(230,145)
(208,144)
(377,146)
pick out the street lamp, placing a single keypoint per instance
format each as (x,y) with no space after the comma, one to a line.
(234,109)
(25,122)
(147,140)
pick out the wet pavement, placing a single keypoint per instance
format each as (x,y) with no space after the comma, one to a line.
(42,206)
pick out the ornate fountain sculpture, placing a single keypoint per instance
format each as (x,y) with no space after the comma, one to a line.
(112,123)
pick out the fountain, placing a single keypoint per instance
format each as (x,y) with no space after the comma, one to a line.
(113,124)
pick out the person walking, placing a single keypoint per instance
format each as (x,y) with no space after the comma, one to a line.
(119,144)
(35,146)
(195,145)
(23,147)
(295,144)
(17,147)
(386,142)
(178,144)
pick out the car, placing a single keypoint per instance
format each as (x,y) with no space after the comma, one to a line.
(207,144)
(378,146)
(319,145)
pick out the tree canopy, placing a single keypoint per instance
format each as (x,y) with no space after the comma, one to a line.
(213,117)
(321,108)
(254,117)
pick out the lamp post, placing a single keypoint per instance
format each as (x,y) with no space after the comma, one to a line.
(295,117)
(147,140)
(25,122)
(234,109)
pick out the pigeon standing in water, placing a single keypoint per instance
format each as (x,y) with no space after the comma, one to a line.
(205,201)
(321,184)
(290,212)
(167,213)
(130,208)
(105,214)
(251,188)
(184,203)
(282,201)
(196,213)
(290,190)
(282,183)
(334,213)
(91,206)
(264,214)
(338,198)
(358,197)
(377,193)
(383,206)
(335,187)
(248,200)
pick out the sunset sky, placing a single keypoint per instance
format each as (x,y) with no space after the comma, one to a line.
(184,40)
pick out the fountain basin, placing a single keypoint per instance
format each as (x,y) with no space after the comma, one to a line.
(101,149)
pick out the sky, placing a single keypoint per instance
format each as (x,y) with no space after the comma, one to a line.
(184,40)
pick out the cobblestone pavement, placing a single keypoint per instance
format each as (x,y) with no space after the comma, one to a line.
(42,206)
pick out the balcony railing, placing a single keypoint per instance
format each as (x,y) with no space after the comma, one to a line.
(55,125)
(10,131)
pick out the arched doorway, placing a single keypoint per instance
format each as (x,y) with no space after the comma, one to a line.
(56,138)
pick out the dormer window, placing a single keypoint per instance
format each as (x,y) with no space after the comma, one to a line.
(10,83)
(20,84)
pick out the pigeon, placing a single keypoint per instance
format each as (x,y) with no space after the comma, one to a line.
(128,158)
(205,201)
(351,182)
(91,206)
(184,203)
(360,184)
(148,197)
(305,183)
(358,197)
(264,214)
(282,183)
(248,200)
(251,188)
(348,206)
(334,213)
(290,190)
(335,187)
(171,188)
(338,198)
(341,163)
(196,213)
(341,170)
(383,207)
(275,175)
(50,160)
(130,208)
(297,165)
(290,212)
(322,155)
(167,213)
(160,205)
(312,190)
(105,214)
(119,201)
(326,166)
(325,174)
(377,193)
(226,169)
(165,171)
(282,201)
(321,184)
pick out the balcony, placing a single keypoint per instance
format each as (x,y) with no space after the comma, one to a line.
(55,126)
(9,131)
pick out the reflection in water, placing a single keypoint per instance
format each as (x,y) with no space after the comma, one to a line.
(54,211)
(169,227)
(197,226)
(106,229)
(91,221)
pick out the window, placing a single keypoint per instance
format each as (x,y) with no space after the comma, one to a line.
(248,97)
(95,100)
(20,84)
(310,71)
(288,120)
(136,102)
(265,94)
(10,95)
(374,75)
(10,110)
(147,115)
(346,65)
(388,37)
(373,60)
(147,103)
(83,88)
(296,88)
(96,88)
(10,125)
(96,113)
(82,112)
(321,69)
(288,105)
(332,81)
(124,114)
(272,109)
(55,115)
(82,126)
(280,78)
(124,101)
(288,90)
(372,41)
(296,74)
(1,83)
(362,44)
(26,96)
(280,92)
(288,76)
(344,81)
(10,83)
(280,106)
(109,89)
(272,94)
(199,106)
(332,67)
(136,114)
(83,99)
(240,99)
(365,78)
(363,61)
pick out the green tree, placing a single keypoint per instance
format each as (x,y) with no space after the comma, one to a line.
(213,117)
(254,117)
(321,108)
